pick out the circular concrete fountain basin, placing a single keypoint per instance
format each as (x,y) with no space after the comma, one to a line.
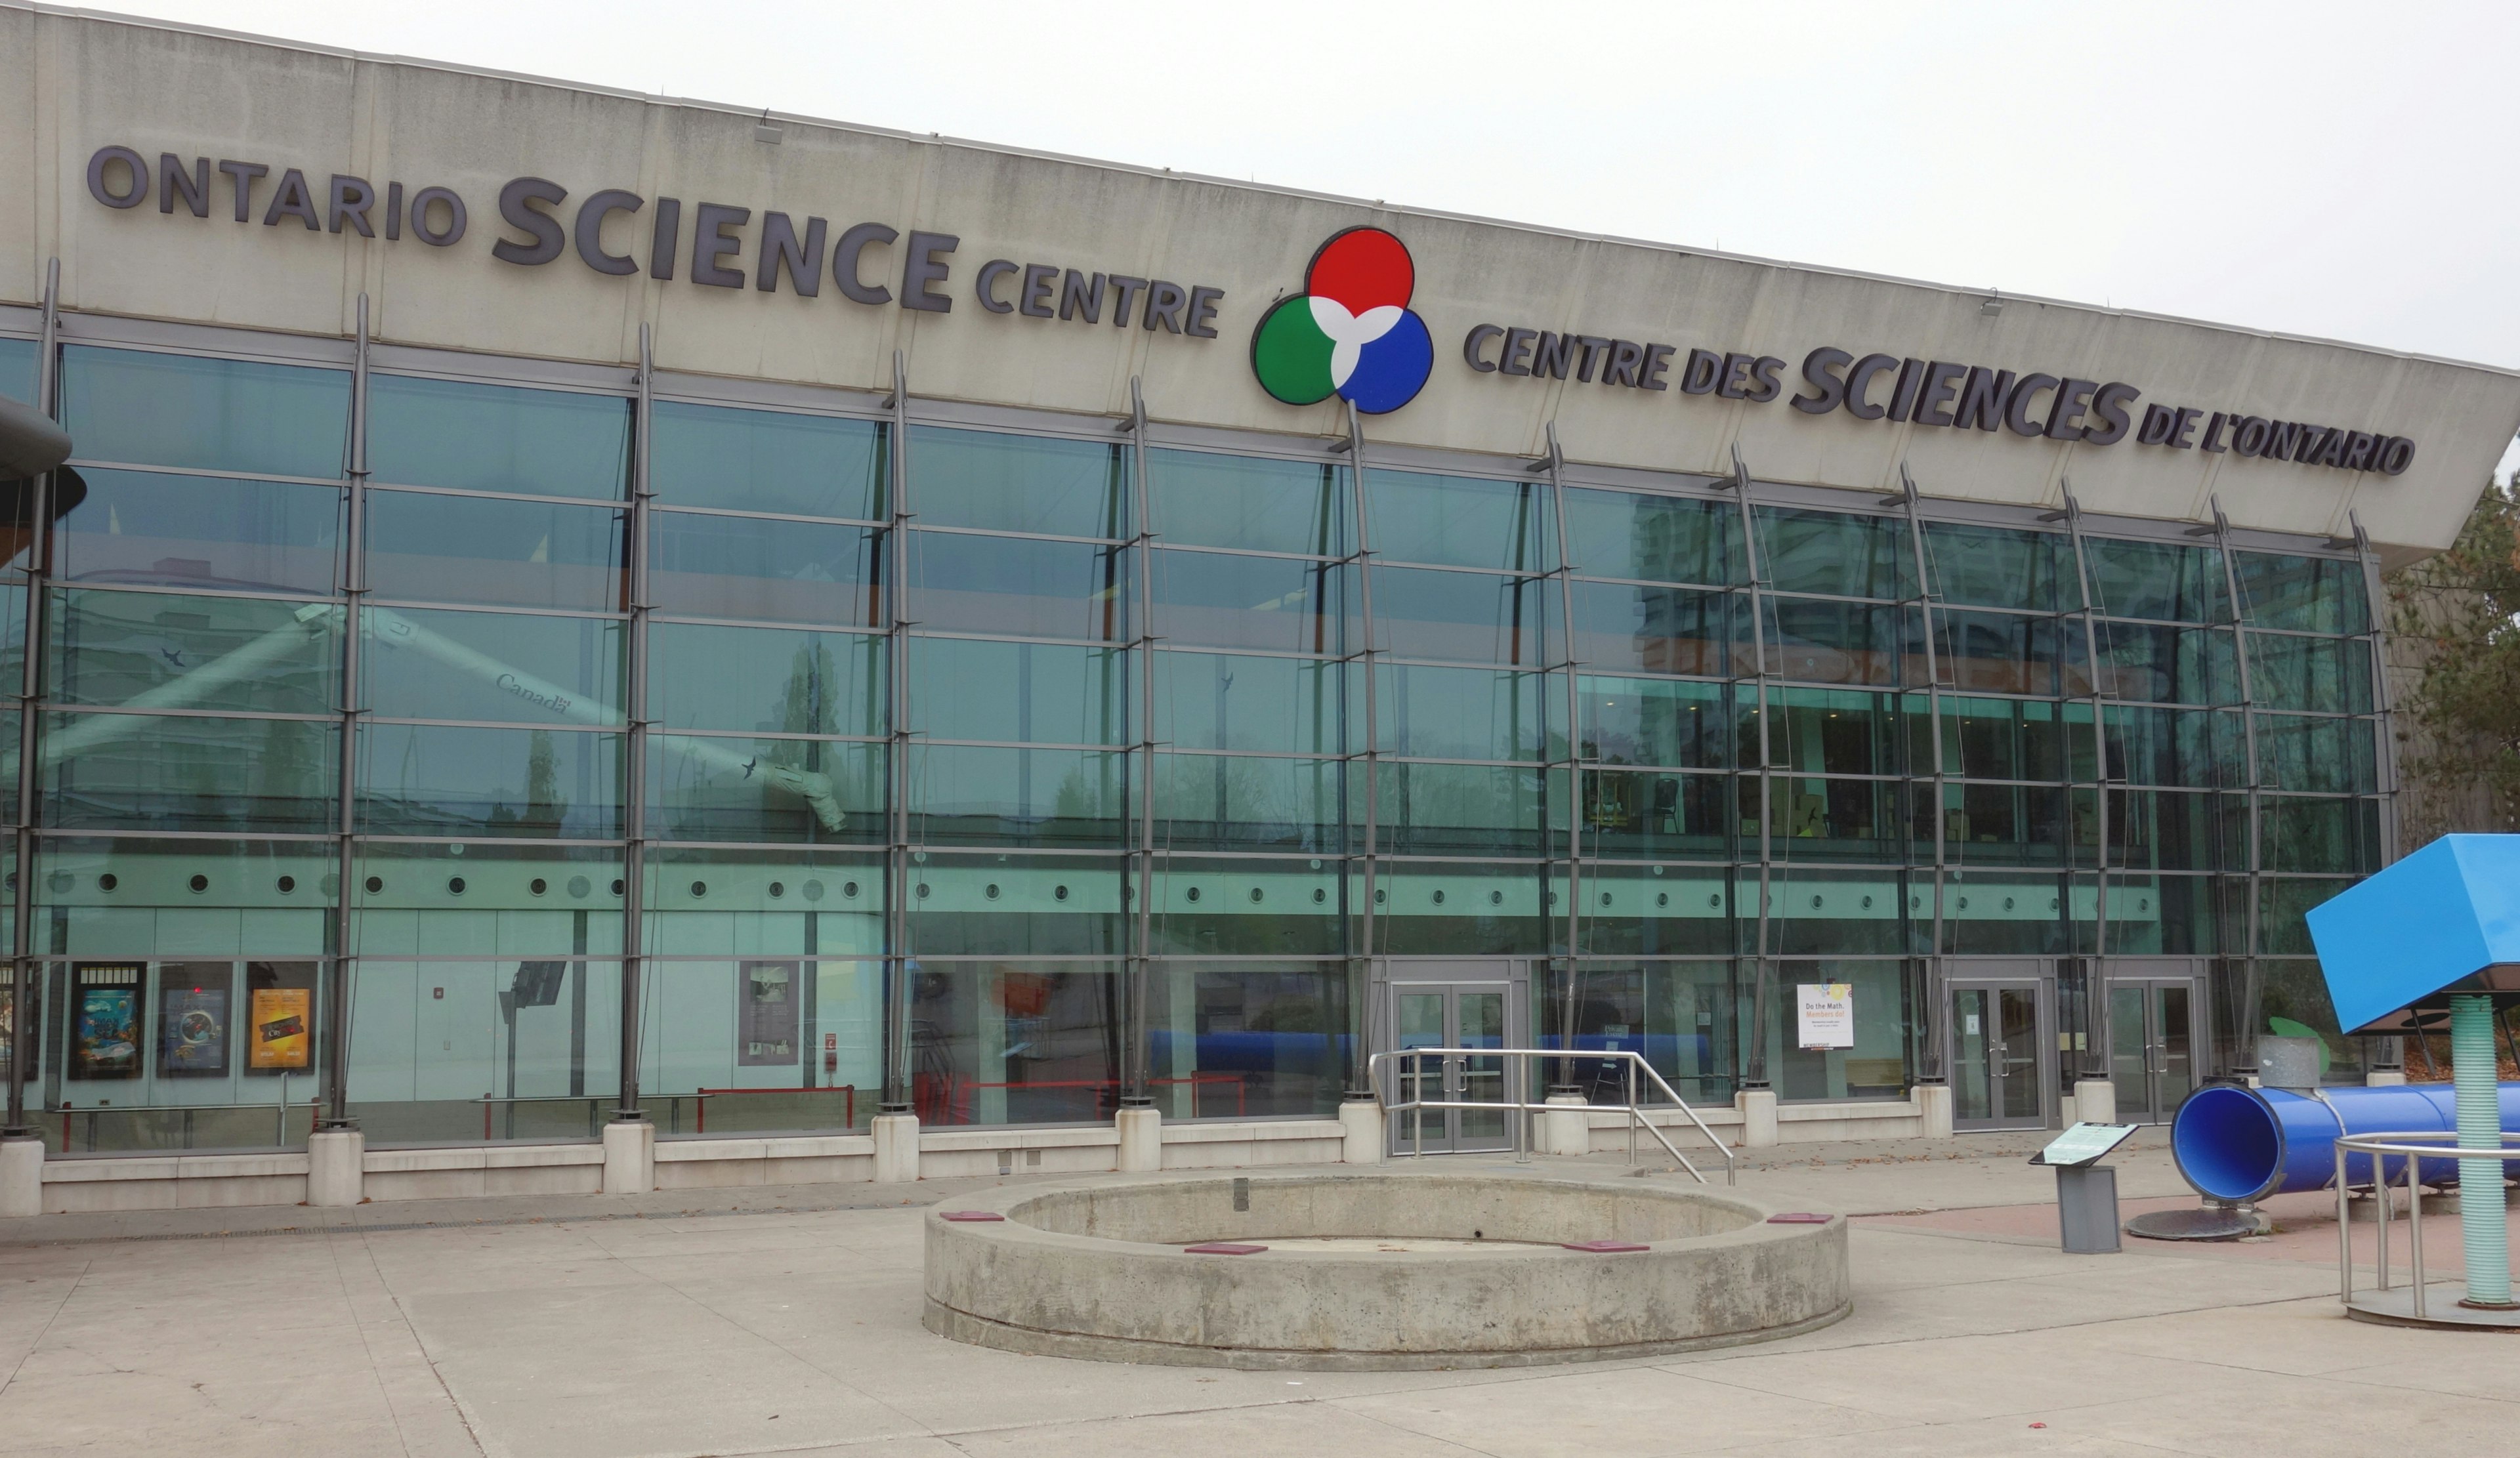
(1374,1270)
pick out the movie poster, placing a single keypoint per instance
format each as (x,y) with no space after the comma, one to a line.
(104,1024)
(280,1029)
(766,1020)
(193,1033)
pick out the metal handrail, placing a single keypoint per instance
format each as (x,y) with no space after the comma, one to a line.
(2418,1145)
(1519,1073)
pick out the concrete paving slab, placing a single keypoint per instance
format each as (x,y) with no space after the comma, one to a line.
(1614,1414)
(1293,1430)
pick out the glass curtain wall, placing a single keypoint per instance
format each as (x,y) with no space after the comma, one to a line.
(1685,753)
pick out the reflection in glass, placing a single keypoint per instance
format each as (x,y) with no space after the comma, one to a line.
(454,549)
(240,654)
(967,794)
(765,572)
(1019,483)
(1657,629)
(783,790)
(776,681)
(1015,1042)
(1056,693)
(496,437)
(149,528)
(972,584)
(203,413)
(1247,1040)
(1232,802)
(1468,713)
(1465,617)
(1218,600)
(1239,701)
(1652,538)
(160,772)
(2308,594)
(766,461)
(421,780)
(1654,722)
(1016,905)
(433,663)
(1461,521)
(1250,504)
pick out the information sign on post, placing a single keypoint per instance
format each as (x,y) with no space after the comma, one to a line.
(1825,1014)
(2086,1190)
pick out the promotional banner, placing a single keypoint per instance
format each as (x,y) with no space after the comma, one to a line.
(766,1019)
(1825,1014)
(194,1032)
(281,1021)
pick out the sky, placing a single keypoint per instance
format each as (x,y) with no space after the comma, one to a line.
(2342,171)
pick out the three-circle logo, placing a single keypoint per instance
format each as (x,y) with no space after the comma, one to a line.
(1351,332)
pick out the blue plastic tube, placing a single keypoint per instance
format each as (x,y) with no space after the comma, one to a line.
(2234,1143)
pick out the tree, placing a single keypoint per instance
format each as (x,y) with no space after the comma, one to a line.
(2455,621)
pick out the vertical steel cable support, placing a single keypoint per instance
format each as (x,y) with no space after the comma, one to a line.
(1555,462)
(1929,1011)
(1755,1060)
(335,1041)
(1134,1071)
(2245,1054)
(1361,982)
(30,683)
(896,934)
(634,869)
(2384,753)
(2096,1020)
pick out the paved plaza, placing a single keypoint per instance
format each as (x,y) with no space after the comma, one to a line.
(787,1321)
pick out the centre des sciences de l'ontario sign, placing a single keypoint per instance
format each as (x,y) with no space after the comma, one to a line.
(1351,332)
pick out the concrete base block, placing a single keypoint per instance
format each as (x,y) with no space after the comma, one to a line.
(1571,1132)
(1141,1140)
(2384,1077)
(1934,1102)
(2096,1101)
(896,1148)
(629,1157)
(337,1172)
(1361,1142)
(1758,1108)
(22,1178)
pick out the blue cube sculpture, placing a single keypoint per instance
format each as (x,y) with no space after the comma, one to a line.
(2444,920)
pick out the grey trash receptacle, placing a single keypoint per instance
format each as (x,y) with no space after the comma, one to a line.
(2086,1209)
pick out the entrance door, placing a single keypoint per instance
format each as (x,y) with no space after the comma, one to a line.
(1996,1056)
(2152,1047)
(1451,1015)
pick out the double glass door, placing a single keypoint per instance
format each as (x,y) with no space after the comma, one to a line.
(2152,1047)
(1467,1015)
(1996,1056)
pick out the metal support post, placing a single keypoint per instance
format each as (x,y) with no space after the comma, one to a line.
(1754,1062)
(1932,1064)
(1134,1049)
(2096,1024)
(896,1097)
(2245,1048)
(1556,463)
(634,868)
(1361,980)
(335,1044)
(23,1025)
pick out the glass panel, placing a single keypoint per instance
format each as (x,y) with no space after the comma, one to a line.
(1654,722)
(18,369)
(1019,483)
(764,461)
(2185,748)
(2130,1052)
(2158,829)
(1657,629)
(1460,809)
(1482,1026)
(1460,522)
(1834,731)
(431,780)
(2318,835)
(1657,910)
(1650,814)
(1222,701)
(1681,1015)
(1014,1042)
(1011,585)
(2169,665)
(2178,1058)
(155,771)
(491,1050)
(1241,906)
(1465,617)
(1827,819)
(1653,538)
(454,549)
(782,681)
(1973,1038)
(973,688)
(1823,641)
(1454,909)
(717,903)
(762,1045)
(423,663)
(2163,914)
(1421,1024)
(764,789)
(1212,600)
(1247,1041)
(1466,712)
(233,653)
(1877,1066)
(1825,911)
(1836,553)
(1994,738)
(1998,652)
(1018,796)
(768,571)
(487,900)
(1991,913)
(208,415)
(1989,566)
(1013,905)
(2157,580)
(131,897)
(200,531)
(496,437)
(2293,998)
(2315,754)
(2309,595)
(2327,674)
(2017,1055)
(1250,504)
(1228,802)
(2003,824)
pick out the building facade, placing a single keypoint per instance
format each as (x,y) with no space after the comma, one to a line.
(1004,640)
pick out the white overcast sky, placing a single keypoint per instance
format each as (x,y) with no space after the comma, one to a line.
(2336,170)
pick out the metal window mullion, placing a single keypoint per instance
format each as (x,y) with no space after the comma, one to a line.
(2096,1016)
(634,869)
(1929,1034)
(31,681)
(1565,574)
(1136,1073)
(1363,557)
(896,989)
(335,1041)
(1755,1063)
(2244,1051)
(2384,759)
